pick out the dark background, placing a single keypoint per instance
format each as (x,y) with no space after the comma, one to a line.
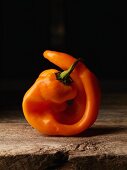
(93,30)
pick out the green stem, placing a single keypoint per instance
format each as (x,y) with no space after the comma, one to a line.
(65,75)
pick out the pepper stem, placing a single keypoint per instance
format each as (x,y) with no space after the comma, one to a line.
(65,75)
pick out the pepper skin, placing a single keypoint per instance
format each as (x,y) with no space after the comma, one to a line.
(56,108)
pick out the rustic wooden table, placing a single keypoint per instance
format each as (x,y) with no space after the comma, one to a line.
(103,146)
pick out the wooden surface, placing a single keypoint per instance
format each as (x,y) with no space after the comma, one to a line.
(103,146)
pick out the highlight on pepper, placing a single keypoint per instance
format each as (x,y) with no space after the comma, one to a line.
(63,103)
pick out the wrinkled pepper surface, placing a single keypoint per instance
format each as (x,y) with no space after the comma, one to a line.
(62,103)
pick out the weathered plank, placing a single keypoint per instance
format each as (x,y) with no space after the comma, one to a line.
(104,145)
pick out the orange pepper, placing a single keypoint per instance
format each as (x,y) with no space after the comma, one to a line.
(62,103)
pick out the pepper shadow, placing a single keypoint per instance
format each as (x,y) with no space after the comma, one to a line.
(99,130)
